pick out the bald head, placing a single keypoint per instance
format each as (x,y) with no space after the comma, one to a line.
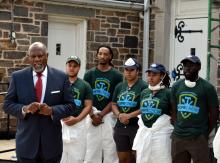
(38,56)
(37,45)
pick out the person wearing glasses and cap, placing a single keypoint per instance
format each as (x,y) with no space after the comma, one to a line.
(152,142)
(195,107)
(125,105)
(74,127)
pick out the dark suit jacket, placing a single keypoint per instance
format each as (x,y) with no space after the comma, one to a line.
(39,130)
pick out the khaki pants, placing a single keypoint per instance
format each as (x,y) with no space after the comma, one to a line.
(183,150)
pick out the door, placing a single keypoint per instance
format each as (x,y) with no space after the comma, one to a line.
(66,37)
(185,41)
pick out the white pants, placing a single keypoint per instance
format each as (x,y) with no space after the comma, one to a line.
(153,145)
(74,143)
(100,142)
(216,145)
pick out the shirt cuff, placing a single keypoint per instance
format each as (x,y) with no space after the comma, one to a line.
(23,112)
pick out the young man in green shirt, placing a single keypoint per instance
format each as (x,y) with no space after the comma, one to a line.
(195,108)
(103,78)
(74,127)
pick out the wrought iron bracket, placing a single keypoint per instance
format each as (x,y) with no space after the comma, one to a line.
(179,30)
(177,72)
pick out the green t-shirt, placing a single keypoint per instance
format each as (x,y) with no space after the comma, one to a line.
(192,107)
(153,106)
(81,91)
(128,99)
(103,85)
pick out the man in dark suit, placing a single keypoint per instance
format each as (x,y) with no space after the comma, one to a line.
(39,97)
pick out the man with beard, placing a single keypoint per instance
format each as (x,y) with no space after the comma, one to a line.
(74,127)
(195,108)
(39,97)
(103,80)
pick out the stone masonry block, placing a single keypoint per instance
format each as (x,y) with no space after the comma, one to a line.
(93,46)
(113,39)
(11,70)
(117,45)
(41,16)
(23,42)
(4,15)
(107,12)
(135,31)
(8,26)
(34,9)
(39,4)
(30,28)
(101,38)
(123,31)
(111,32)
(126,25)
(94,24)
(29,3)
(105,25)
(123,50)
(40,39)
(14,54)
(131,41)
(20,11)
(114,20)
(134,51)
(44,28)
(69,10)
(21,35)
(90,36)
(133,18)
(6,63)
(22,48)
(23,20)
(120,14)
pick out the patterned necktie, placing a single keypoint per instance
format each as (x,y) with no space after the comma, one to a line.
(38,87)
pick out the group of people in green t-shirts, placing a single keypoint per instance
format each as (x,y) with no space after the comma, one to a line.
(130,119)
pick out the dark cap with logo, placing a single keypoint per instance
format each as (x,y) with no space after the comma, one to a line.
(73,58)
(191,58)
(131,63)
(156,68)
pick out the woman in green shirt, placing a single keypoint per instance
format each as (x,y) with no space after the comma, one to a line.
(125,105)
(152,142)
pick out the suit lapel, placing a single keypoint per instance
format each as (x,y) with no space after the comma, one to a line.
(48,85)
(30,84)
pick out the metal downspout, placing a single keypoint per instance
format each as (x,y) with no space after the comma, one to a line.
(146,38)
(209,39)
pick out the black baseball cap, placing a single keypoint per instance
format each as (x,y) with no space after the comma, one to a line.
(191,58)
(156,68)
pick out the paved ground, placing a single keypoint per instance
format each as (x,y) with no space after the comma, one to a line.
(7,145)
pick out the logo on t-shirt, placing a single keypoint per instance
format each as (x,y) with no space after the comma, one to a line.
(101,90)
(76,95)
(187,104)
(126,101)
(149,107)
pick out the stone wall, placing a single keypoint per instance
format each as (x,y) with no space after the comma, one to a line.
(120,29)
(30,25)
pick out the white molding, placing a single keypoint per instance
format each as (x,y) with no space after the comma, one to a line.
(191,8)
